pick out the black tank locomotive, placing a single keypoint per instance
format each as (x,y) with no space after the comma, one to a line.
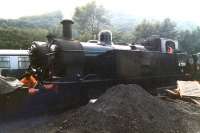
(68,60)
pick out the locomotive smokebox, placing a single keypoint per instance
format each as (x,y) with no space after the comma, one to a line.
(67,29)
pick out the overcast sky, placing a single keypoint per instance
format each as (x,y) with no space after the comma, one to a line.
(188,10)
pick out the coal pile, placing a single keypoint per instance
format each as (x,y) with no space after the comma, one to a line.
(130,109)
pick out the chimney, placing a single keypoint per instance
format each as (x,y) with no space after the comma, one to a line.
(67,29)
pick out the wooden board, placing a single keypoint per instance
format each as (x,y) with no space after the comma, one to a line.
(189,88)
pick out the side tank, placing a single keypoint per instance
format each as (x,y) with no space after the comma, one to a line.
(94,63)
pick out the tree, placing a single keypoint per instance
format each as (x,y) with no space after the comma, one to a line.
(166,29)
(118,35)
(189,40)
(15,38)
(89,20)
(19,33)
(45,21)
(146,29)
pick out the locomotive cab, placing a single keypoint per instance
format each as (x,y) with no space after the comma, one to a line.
(168,45)
(162,45)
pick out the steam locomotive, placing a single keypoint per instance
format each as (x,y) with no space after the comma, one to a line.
(81,70)
(64,61)
(72,61)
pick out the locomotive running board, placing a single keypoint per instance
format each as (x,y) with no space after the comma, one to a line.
(77,82)
(114,81)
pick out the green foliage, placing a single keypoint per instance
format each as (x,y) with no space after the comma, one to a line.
(122,36)
(19,33)
(190,40)
(44,21)
(146,29)
(15,38)
(166,29)
(89,20)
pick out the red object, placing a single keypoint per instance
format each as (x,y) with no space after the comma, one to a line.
(33,91)
(29,81)
(170,50)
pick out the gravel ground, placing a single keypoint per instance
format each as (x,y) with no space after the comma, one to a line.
(128,109)
(122,109)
